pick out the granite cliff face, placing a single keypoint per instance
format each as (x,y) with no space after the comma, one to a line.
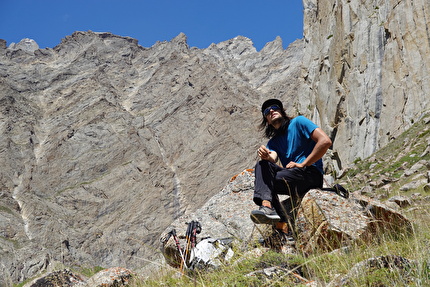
(365,69)
(104,142)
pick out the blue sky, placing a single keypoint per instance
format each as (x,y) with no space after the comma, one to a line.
(148,21)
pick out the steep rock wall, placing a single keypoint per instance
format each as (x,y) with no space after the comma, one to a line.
(366,66)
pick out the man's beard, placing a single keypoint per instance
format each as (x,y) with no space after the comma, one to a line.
(277,121)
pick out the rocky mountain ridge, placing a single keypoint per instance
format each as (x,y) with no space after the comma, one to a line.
(104,143)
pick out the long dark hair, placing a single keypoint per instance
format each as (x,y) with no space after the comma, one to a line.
(270,131)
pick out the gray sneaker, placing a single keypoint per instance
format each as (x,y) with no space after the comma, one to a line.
(264,215)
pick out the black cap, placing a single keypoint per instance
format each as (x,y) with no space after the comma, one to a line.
(271,102)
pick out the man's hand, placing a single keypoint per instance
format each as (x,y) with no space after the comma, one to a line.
(265,154)
(292,164)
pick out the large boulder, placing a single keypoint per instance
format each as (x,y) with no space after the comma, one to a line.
(326,221)
(115,276)
(63,277)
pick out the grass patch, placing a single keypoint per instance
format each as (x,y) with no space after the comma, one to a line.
(321,268)
(15,243)
(241,272)
(90,271)
(6,209)
(392,160)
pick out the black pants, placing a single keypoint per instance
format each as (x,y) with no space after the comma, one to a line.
(271,180)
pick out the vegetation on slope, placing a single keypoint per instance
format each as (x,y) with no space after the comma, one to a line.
(386,172)
(407,257)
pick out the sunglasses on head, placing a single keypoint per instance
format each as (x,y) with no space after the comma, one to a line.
(267,110)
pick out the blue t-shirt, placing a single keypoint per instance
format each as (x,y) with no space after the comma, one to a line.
(296,144)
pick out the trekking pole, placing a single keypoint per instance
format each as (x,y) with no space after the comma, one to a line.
(193,234)
(188,239)
(179,247)
(196,228)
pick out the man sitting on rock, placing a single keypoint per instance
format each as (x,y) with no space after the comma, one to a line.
(299,144)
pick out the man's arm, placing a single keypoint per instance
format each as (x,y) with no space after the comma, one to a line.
(265,154)
(323,142)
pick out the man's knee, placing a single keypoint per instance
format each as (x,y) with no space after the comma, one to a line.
(262,163)
(294,174)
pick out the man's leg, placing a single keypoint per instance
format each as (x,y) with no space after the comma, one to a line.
(294,182)
(265,173)
(286,182)
(271,180)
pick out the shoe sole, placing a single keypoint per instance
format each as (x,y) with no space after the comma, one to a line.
(259,217)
